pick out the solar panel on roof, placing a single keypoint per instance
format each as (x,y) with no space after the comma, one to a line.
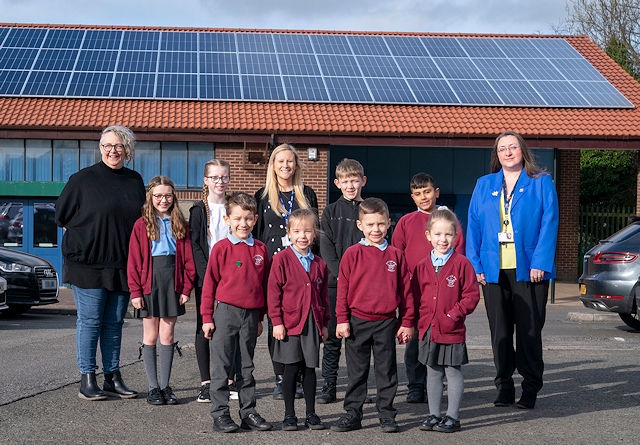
(307,67)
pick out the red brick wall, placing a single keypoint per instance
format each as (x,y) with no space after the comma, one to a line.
(568,187)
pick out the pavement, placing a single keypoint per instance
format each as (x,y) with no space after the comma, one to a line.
(564,294)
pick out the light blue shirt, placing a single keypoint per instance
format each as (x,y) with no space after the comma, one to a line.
(236,240)
(440,260)
(166,244)
(382,246)
(305,260)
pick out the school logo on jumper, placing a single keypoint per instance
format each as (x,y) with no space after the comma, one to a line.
(451,280)
(258,259)
(319,283)
(391,266)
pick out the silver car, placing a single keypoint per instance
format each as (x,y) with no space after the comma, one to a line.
(611,273)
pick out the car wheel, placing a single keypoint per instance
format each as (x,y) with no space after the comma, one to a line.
(17,309)
(631,320)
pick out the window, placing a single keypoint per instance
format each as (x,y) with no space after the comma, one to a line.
(38,160)
(12,158)
(199,154)
(147,160)
(65,159)
(174,162)
(89,153)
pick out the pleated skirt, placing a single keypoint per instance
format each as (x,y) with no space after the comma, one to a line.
(296,348)
(431,353)
(163,300)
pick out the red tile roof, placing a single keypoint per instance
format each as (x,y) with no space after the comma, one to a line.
(566,127)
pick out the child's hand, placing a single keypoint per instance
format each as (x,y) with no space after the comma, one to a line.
(184,299)
(137,303)
(325,333)
(404,335)
(208,329)
(279,332)
(260,328)
(343,330)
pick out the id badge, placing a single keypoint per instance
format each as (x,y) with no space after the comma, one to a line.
(505,237)
(285,241)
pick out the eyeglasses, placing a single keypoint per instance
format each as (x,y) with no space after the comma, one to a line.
(109,147)
(160,197)
(223,179)
(504,148)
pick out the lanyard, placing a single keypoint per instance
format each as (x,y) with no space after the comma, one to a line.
(286,215)
(507,201)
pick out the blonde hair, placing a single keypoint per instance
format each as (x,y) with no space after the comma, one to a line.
(349,167)
(125,135)
(301,214)
(443,213)
(271,187)
(205,187)
(150,216)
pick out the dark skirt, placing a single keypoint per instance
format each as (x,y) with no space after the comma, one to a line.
(163,301)
(296,348)
(433,354)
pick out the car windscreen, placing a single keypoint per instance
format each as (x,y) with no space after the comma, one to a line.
(630,235)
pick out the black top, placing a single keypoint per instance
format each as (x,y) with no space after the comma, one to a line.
(98,207)
(199,239)
(271,226)
(339,232)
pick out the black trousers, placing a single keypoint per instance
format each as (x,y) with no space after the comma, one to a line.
(366,337)
(332,345)
(519,305)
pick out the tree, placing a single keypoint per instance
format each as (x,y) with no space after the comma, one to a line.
(608,177)
(614,25)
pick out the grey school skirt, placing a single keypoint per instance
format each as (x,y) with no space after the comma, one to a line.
(163,300)
(296,348)
(433,354)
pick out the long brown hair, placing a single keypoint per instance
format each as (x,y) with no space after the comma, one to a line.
(150,216)
(271,187)
(528,161)
(205,187)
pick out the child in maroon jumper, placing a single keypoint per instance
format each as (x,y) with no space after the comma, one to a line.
(234,285)
(446,291)
(299,309)
(373,283)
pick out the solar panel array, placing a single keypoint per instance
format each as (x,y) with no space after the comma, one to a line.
(298,67)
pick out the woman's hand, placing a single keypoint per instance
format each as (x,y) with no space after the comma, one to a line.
(480,278)
(536,275)
(137,303)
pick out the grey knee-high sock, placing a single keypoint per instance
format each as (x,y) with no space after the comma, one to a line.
(150,365)
(455,388)
(166,361)
(435,387)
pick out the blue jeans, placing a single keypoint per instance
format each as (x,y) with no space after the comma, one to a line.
(100,316)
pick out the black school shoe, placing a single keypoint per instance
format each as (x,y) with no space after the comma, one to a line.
(430,422)
(224,424)
(389,425)
(346,422)
(313,422)
(415,395)
(527,401)
(169,396)
(506,397)
(155,397)
(255,421)
(447,425)
(290,423)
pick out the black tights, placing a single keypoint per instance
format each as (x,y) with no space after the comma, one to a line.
(289,387)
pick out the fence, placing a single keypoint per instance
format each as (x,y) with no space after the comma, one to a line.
(598,222)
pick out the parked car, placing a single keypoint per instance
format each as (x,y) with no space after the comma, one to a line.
(31,281)
(610,279)
(8,211)
(3,294)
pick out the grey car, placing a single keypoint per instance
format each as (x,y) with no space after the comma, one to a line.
(611,274)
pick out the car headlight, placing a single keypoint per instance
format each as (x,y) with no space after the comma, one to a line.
(14,267)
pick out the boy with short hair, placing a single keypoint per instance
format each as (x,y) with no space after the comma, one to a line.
(234,285)
(373,283)
(339,231)
(409,237)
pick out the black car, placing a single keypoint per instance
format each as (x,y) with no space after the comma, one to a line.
(3,294)
(31,281)
(611,275)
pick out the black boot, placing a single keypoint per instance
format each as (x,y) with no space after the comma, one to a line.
(328,394)
(114,385)
(89,389)
(277,391)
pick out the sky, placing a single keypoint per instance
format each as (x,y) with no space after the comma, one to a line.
(457,16)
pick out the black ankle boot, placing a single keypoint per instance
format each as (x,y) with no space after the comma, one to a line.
(328,394)
(89,389)
(114,385)
(277,391)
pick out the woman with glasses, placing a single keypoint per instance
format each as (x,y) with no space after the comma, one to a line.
(283,193)
(511,242)
(206,220)
(97,208)
(161,273)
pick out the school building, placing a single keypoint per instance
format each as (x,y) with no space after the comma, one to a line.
(400,103)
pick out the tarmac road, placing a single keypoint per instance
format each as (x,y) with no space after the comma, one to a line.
(590,394)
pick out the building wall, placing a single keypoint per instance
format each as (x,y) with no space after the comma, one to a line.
(568,188)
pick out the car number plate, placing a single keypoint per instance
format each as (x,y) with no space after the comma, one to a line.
(583,289)
(49,284)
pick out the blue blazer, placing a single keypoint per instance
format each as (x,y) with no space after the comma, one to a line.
(534,215)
